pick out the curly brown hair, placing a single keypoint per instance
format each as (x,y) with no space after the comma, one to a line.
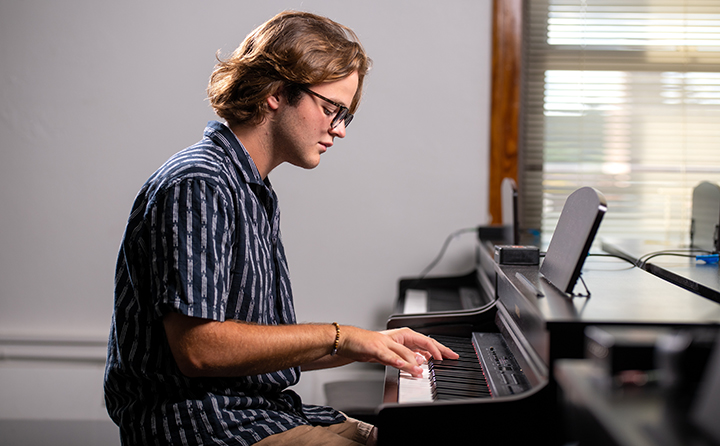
(291,49)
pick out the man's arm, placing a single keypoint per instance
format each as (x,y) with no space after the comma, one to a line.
(204,347)
(422,347)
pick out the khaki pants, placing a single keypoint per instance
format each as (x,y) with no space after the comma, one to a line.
(350,433)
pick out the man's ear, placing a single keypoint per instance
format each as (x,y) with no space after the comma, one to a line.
(273,101)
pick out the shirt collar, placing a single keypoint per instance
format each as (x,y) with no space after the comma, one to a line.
(225,138)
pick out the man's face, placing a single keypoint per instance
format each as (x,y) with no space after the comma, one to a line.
(301,133)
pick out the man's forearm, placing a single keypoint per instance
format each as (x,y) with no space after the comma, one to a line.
(210,348)
(326,362)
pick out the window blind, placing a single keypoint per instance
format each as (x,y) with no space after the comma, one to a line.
(624,96)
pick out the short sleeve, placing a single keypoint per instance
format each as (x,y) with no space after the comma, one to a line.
(191,243)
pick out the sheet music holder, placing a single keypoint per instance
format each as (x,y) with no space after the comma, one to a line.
(574,233)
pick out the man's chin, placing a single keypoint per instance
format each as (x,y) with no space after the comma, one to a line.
(307,164)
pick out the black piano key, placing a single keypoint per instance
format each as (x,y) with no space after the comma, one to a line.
(434,365)
(461,389)
(446,394)
(465,392)
(459,371)
(457,383)
(458,378)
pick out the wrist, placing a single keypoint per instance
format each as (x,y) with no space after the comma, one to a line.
(336,343)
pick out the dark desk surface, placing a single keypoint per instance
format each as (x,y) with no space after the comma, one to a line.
(697,276)
(621,294)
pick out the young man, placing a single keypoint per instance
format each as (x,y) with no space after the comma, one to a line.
(204,341)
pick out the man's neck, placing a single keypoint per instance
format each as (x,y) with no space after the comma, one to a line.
(256,141)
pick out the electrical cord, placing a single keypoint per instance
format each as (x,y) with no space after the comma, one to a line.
(617,256)
(690,253)
(440,255)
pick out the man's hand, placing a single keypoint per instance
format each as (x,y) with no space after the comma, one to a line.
(395,348)
(428,347)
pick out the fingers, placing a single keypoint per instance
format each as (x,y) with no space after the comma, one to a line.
(407,360)
(420,346)
(444,352)
(436,349)
(393,354)
(370,346)
(430,348)
(403,348)
(422,357)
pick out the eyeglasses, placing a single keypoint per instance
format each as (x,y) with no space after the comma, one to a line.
(342,114)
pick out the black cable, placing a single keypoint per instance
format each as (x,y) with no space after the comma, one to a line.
(617,256)
(642,260)
(440,255)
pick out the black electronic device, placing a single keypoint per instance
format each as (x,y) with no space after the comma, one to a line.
(517,255)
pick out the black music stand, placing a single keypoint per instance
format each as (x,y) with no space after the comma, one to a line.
(574,234)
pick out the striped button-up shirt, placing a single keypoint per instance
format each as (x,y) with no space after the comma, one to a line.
(202,239)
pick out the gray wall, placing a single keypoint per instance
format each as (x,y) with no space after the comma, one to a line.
(95,95)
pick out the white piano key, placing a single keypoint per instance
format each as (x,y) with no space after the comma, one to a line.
(415,301)
(415,390)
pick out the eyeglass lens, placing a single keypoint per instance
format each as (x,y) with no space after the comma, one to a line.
(342,115)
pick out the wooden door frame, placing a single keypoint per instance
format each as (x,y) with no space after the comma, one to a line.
(507,27)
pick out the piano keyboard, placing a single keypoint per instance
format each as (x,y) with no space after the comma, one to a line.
(491,373)
(446,379)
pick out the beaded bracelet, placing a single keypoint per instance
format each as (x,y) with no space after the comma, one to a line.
(337,339)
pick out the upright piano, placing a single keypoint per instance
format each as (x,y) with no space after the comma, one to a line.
(502,387)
